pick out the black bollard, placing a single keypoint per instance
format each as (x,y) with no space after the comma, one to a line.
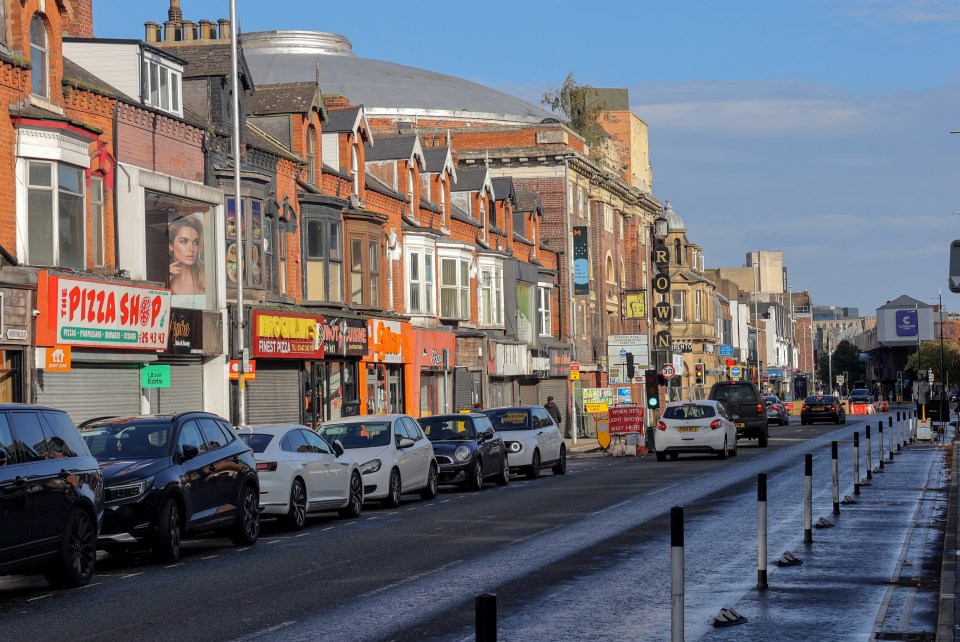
(880,437)
(808,499)
(761,530)
(890,438)
(869,457)
(486,611)
(856,463)
(836,477)
(676,574)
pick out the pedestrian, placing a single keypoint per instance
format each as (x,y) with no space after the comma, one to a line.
(478,406)
(553,410)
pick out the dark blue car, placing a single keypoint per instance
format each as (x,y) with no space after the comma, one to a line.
(468,450)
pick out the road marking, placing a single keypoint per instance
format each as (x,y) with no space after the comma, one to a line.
(209,557)
(89,585)
(329,528)
(304,534)
(269,629)
(174,565)
(41,597)
(603,510)
(393,513)
(370,519)
(123,577)
(444,501)
(273,541)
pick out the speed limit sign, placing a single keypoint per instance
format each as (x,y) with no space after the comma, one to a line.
(667,371)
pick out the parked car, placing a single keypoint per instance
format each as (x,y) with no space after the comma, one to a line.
(301,473)
(532,438)
(395,456)
(776,410)
(169,476)
(51,496)
(744,404)
(695,427)
(860,395)
(468,449)
(822,408)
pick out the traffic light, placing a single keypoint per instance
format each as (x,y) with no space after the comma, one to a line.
(630,369)
(698,373)
(652,388)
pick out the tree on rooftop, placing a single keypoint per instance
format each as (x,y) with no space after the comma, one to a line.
(578,108)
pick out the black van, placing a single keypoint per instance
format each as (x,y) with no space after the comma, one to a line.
(743,400)
(51,496)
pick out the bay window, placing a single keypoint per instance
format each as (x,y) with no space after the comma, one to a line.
(491,292)
(365,270)
(421,297)
(257,234)
(323,259)
(543,309)
(455,288)
(55,215)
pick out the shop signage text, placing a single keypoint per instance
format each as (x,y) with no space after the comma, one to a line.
(344,337)
(286,336)
(624,419)
(58,359)
(186,331)
(386,341)
(250,373)
(155,376)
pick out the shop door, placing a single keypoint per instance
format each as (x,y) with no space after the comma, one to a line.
(530,395)
(274,396)
(88,391)
(462,389)
(501,393)
(395,398)
(186,388)
(557,388)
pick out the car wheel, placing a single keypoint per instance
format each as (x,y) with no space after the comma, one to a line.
(296,517)
(77,555)
(247,529)
(674,456)
(433,484)
(392,500)
(475,478)
(762,439)
(722,453)
(733,451)
(355,503)
(534,471)
(166,545)
(661,456)
(786,420)
(560,467)
(504,477)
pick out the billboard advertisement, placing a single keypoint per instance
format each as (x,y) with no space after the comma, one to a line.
(581,261)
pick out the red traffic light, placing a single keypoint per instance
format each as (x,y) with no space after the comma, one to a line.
(731,362)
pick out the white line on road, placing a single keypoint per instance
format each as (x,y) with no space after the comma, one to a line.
(209,557)
(444,501)
(370,519)
(174,565)
(270,629)
(604,510)
(41,597)
(89,585)
(393,513)
(273,541)
(407,580)
(329,528)
(123,577)
(302,535)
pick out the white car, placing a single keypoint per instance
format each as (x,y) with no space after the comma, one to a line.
(532,437)
(301,473)
(395,456)
(695,427)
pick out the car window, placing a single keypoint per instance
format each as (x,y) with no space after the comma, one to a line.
(413,428)
(546,420)
(448,428)
(316,442)
(227,430)
(64,435)
(190,435)
(28,432)
(506,419)
(7,445)
(689,411)
(359,434)
(127,440)
(258,442)
(213,433)
(293,442)
(482,424)
(722,411)
(734,393)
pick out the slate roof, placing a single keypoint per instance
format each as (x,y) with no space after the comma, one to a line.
(904,301)
(375,184)
(393,148)
(503,189)
(458,214)
(342,120)
(210,60)
(470,180)
(435,158)
(79,78)
(528,201)
(285,98)
(259,139)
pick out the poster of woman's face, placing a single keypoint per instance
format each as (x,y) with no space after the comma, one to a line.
(185,234)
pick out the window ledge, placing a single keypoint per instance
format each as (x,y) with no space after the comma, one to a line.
(44,103)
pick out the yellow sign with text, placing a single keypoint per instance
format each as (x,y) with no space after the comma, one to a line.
(596,407)
(574,375)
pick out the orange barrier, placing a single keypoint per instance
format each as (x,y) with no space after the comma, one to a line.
(861,409)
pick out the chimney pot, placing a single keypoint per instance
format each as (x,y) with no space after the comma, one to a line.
(152,31)
(189,30)
(170,31)
(225,30)
(208,30)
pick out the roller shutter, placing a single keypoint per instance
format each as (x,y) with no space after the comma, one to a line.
(462,389)
(274,396)
(185,391)
(89,391)
(530,395)
(557,388)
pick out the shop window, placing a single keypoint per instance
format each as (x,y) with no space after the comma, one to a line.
(178,232)
(454,288)
(420,277)
(55,215)
(324,260)
(543,310)
(96,221)
(39,57)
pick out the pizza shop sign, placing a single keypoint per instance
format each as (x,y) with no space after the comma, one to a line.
(101,314)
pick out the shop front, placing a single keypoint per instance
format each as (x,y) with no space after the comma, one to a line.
(281,343)
(193,342)
(557,384)
(94,336)
(471,359)
(16,305)
(382,377)
(507,364)
(332,385)
(434,352)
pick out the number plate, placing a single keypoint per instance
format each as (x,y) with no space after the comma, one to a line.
(741,424)
(688,429)
(816,407)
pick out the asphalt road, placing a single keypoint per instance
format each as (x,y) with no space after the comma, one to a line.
(579,556)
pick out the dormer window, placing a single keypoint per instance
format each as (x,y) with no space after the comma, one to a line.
(411,182)
(355,170)
(312,155)
(161,84)
(442,200)
(39,71)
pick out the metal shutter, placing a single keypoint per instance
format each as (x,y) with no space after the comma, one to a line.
(529,395)
(274,396)
(557,388)
(462,389)
(89,391)
(185,391)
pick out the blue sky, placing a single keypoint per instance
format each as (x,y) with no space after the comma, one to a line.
(820,128)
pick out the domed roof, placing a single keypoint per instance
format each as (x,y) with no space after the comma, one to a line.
(383,88)
(673,219)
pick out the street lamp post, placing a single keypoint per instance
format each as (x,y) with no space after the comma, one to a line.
(756,317)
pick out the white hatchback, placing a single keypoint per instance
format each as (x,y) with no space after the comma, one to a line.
(395,456)
(532,439)
(300,473)
(695,427)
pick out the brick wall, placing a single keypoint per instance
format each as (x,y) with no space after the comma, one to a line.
(77,18)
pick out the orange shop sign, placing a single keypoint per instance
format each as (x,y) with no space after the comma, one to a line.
(249,375)
(389,341)
(58,359)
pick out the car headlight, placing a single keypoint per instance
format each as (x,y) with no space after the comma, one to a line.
(371,466)
(127,491)
(514,446)
(462,453)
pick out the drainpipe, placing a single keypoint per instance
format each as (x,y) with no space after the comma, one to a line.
(572,318)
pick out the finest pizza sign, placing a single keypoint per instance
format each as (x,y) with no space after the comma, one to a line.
(101,314)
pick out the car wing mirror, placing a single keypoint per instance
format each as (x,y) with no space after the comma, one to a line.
(405,442)
(338,448)
(189,452)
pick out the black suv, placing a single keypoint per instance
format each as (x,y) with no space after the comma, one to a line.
(51,496)
(743,399)
(166,476)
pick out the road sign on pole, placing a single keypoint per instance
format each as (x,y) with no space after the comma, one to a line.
(736,372)
(667,371)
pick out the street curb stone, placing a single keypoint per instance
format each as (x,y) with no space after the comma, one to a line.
(947,615)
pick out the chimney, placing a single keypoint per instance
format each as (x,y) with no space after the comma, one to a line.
(153,31)
(175,14)
(80,23)
(225,31)
(208,30)
(189,32)
(170,31)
